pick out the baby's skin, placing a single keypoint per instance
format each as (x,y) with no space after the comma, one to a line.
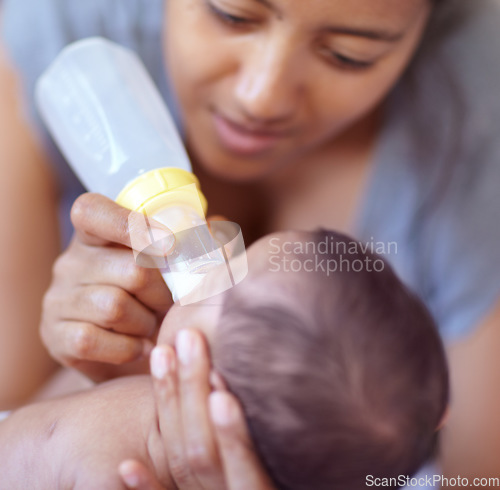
(78,442)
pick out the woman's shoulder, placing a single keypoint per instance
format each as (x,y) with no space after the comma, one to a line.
(439,159)
(451,97)
(35,32)
(459,59)
(444,116)
(76,19)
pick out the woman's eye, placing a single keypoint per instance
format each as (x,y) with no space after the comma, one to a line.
(349,63)
(344,62)
(226,17)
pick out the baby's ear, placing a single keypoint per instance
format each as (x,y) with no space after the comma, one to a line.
(444,419)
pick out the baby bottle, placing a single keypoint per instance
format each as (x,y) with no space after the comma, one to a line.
(115,131)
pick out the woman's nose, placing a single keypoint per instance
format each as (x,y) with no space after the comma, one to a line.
(268,89)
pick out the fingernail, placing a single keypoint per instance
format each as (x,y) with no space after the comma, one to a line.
(130,478)
(221,409)
(188,346)
(159,362)
(163,239)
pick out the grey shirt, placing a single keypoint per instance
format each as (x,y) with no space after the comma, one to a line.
(433,189)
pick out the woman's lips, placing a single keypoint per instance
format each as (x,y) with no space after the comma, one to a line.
(243,141)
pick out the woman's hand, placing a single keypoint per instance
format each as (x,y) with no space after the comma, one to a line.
(102,311)
(206,440)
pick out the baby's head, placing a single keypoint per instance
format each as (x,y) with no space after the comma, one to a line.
(341,375)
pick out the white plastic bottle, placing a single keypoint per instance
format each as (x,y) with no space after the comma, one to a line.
(115,131)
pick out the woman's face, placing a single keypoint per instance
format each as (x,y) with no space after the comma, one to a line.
(264,82)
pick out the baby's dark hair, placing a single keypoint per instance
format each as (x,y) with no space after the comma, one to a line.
(351,382)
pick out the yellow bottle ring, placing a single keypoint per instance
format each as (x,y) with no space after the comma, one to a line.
(159,188)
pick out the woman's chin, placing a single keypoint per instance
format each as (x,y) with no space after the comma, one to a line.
(242,175)
(234,169)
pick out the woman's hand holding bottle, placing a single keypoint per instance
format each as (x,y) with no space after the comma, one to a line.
(102,311)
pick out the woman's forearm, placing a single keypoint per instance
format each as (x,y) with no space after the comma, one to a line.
(29,244)
(471,438)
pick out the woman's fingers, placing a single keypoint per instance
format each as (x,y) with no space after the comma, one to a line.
(182,386)
(74,342)
(242,468)
(111,308)
(201,429)
(102,307)
(100,221)
(137,476)
(194,376)
(100,324)
(113,266)
(164,368)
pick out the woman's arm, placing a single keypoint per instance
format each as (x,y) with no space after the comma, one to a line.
(471,439)
(29,243)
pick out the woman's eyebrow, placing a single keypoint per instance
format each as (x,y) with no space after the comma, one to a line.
(268,4)
(373,34)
